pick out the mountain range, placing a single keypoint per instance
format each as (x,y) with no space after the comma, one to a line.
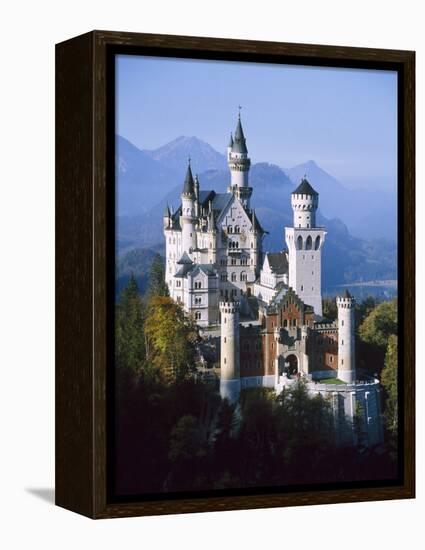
(361,224)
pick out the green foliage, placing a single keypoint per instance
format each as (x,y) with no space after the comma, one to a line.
(330,310)
(390,384)
(157,284)
(136,262)
(380,323)
(129,337)
(171,338)
(186,440)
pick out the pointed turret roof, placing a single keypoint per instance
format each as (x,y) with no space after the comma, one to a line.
(305,188)
(167,211)
(255,223)
(189,184)
(231,140)
(346,294)
(239,142)
(185,259)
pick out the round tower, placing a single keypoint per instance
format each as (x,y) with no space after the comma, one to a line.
(187,219)
(167,217)
(346,338)
(230,382)
(304,202)
(239,164)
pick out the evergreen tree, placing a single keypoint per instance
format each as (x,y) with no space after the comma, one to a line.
(390,384)
(157,284)
(129,336)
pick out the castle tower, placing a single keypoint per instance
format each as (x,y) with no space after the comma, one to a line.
(187,220)
(305,241)
(230,382)
(167,217)
(239,163)
(346,338)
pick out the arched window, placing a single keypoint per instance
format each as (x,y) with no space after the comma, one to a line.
(237,229)
(317,243)
(300,243)
(233,277)
(285,323)
(230,229)
(243,276)
(308,243)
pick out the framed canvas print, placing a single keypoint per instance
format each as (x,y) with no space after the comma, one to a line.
(235,274)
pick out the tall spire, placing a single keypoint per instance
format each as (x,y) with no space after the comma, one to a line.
(239,142)
(189,184)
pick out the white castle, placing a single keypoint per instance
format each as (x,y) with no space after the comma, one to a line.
(217,271)
(214,240)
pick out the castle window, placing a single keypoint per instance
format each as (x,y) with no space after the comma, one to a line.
(224,360)
(237,229)
(331,358)
(300,243)
(302,288)
(225,339)
(309,242)
(294,322)
(342,342)
(223,261)
(230,229)
(317,243)
(233,277)
(342,323)
(342,361)
(243,276)
(233,261)
(285,323)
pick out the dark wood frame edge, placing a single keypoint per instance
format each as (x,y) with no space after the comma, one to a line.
(81,273)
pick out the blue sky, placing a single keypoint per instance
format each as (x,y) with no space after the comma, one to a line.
(344,119)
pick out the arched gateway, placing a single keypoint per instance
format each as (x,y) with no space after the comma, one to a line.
(291,364)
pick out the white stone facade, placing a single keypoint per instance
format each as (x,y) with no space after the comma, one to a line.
(218,237)
(230,381)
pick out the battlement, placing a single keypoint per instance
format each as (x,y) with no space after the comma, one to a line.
(346,301)
(229,306)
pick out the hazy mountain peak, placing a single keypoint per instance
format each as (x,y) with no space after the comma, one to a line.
(176,153)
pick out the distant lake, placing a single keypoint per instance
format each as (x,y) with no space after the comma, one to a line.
(383,290)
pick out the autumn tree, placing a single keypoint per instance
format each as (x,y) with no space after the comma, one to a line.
(170,338)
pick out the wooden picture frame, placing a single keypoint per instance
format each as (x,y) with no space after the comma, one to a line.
(84,222)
